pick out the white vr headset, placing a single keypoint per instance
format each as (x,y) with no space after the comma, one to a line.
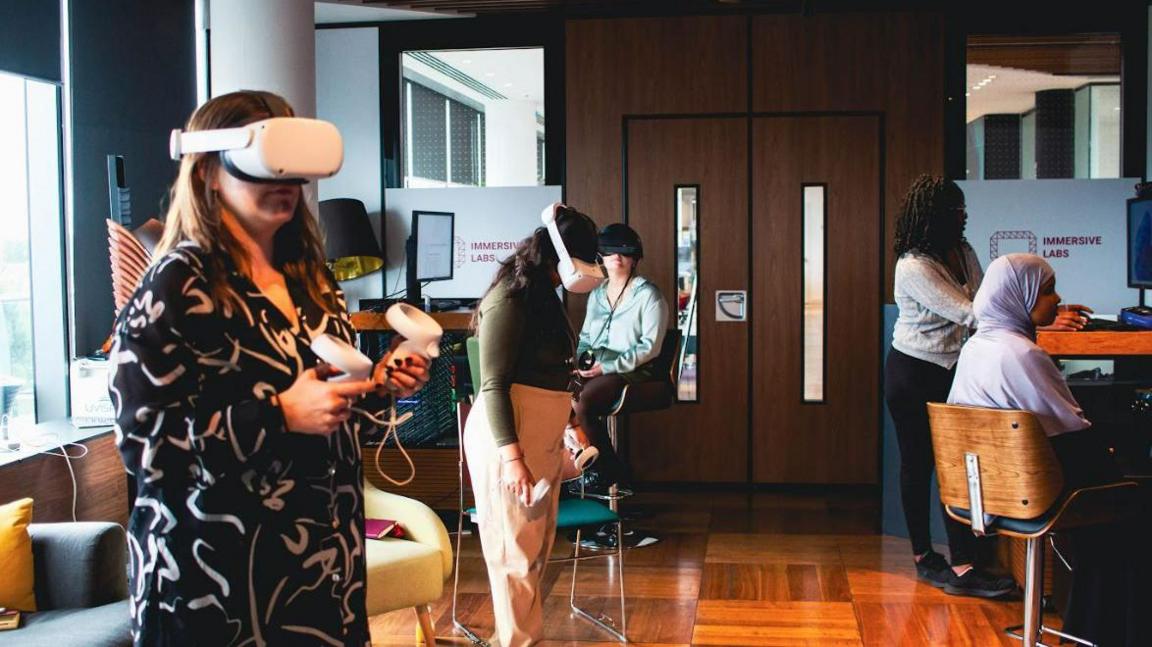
(281,149)
(578,276)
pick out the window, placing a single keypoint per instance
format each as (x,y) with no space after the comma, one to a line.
(1043,107)
(32,355)
(473,117)
(815,202)
(687,288)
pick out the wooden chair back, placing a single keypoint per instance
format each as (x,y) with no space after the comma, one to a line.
(1020,476)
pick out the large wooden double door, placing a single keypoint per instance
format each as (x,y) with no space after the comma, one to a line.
(754,420)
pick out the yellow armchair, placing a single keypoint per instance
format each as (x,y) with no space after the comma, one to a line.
(406,572)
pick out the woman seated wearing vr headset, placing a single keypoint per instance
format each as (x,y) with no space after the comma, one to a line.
(1001,367)
(248,525)
(623,329)
(514,435)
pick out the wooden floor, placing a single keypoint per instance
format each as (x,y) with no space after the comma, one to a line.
(745,569)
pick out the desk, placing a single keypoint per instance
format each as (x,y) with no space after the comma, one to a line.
(375,321)
(436,481)
(1095,344)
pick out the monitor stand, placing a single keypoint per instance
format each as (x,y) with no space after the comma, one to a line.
(412,292)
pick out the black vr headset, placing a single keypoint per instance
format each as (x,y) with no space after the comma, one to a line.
(619,238)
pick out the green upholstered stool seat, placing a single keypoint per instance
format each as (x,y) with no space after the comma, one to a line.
(576,513)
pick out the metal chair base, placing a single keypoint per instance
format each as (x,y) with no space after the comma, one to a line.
(1033,628)
(605,623)
(1016,631)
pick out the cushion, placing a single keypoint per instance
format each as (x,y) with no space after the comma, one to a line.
(16,591)
(401,573)
(109,625)
(576,513)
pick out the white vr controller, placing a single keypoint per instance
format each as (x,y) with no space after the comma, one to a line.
(578,276)
(353,364)
(421,333)
(421,337)
(280,149)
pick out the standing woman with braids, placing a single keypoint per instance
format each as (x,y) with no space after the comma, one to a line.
(937,275)
(515,433)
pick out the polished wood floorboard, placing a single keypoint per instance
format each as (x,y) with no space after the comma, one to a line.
(738,569)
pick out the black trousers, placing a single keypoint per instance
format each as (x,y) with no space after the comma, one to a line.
(595,402)
(909,385)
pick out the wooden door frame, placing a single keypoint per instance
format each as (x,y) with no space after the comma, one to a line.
(751,115)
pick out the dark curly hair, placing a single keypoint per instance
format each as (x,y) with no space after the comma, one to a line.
(928,222)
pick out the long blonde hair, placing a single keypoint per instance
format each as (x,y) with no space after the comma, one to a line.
(194,212)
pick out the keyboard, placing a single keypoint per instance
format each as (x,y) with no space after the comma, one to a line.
(1100,325)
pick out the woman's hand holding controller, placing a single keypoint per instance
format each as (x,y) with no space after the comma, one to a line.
(400,376)
(315,406)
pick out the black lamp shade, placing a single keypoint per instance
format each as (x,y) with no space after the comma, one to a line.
(349,242)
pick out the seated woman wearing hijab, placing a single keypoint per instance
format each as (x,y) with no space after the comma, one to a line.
(1001,367)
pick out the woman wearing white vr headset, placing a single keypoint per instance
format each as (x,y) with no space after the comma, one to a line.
(514,435)
(248,521)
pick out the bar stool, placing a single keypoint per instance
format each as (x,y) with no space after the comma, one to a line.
(999,474)
(643,396)
(573,514)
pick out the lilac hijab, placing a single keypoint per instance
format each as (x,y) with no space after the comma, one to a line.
(1001,366)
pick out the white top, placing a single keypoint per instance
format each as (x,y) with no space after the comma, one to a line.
(1001,367)
(935,309)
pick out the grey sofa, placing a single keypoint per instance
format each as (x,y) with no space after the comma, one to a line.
(81,588)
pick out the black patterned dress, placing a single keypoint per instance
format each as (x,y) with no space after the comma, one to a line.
(242,533)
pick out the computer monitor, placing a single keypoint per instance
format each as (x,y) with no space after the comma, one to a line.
(1140,242)
(430,250)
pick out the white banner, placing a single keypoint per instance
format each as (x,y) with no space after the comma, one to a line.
(489,223)
(1078,226)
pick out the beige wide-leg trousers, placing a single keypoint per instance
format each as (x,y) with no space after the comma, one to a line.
(516,539)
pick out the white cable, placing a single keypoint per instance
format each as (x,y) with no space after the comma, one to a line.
(390,426)
(63,453)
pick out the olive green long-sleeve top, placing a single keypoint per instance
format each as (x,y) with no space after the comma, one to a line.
(520,344)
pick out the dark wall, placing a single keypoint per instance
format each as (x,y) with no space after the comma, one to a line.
(133,78)
(30,38)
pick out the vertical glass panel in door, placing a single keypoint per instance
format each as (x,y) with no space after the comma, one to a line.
(814,291)
(687,289)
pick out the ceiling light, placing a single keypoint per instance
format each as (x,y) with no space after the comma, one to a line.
(967,94)
(507,85)
(992,76)
(467,61)
(489,74)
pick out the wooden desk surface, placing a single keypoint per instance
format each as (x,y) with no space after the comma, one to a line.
(375,321)
(1095,344)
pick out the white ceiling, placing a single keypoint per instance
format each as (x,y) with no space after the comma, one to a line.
(515,73)
(337,11)
(1006,90)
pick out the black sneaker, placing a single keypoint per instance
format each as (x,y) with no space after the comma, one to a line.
(979,584)
(934,569)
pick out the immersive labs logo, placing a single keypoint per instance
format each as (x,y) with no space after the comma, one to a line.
(482,251)
(1007,242)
